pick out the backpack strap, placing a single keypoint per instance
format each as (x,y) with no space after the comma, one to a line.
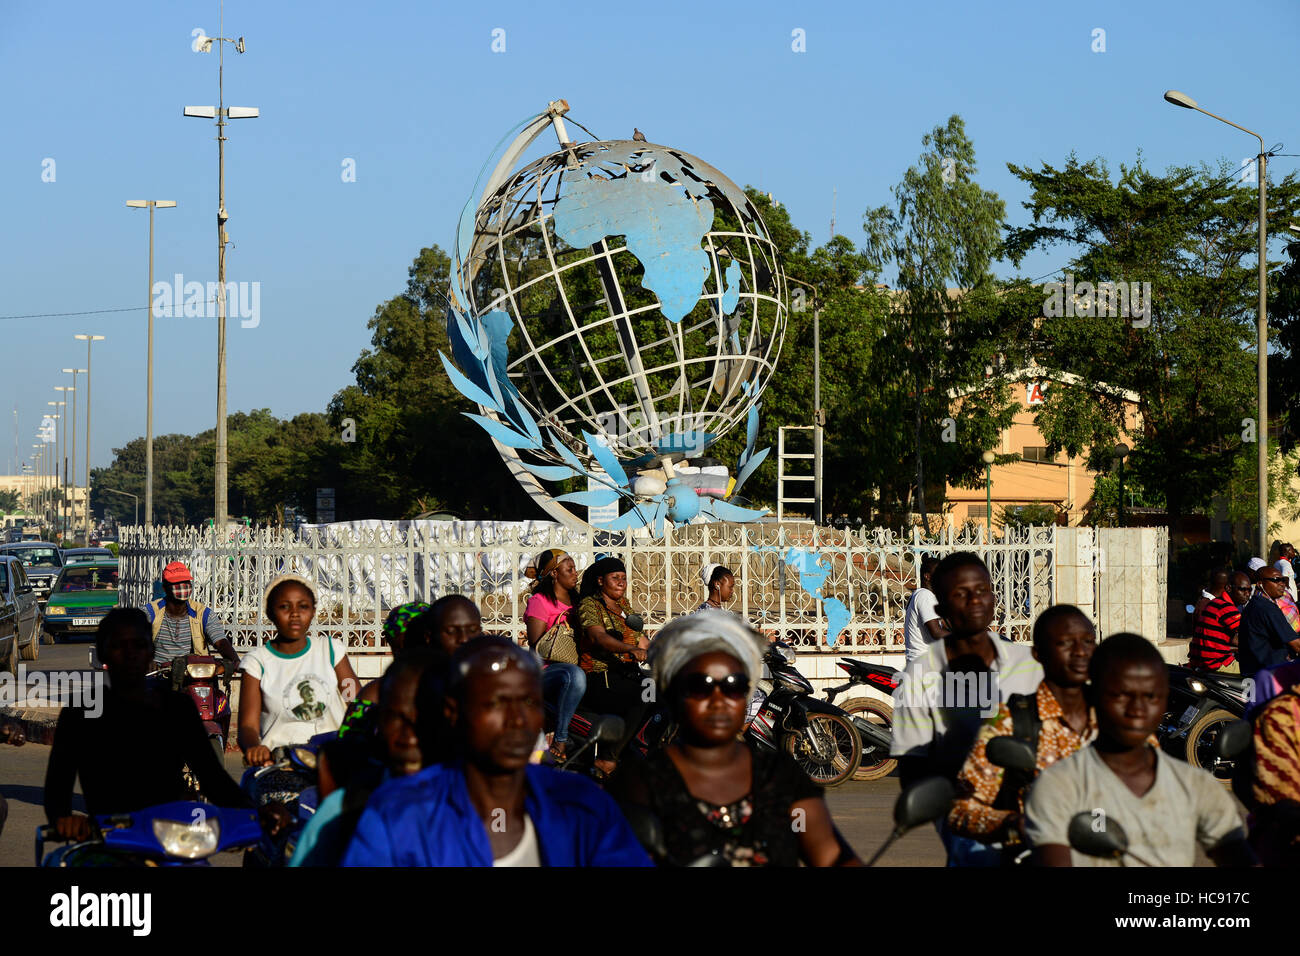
(1026,724)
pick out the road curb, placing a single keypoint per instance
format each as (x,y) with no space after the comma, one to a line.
(38,723)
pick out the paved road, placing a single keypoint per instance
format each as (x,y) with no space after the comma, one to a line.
(863,812)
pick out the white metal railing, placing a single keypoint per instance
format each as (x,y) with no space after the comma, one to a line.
(362,572)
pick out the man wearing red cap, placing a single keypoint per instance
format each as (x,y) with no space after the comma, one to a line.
(182,626)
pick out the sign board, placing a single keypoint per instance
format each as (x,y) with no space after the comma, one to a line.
(324,505)
(1034,393)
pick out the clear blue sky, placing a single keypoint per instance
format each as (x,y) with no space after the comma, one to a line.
(414,94)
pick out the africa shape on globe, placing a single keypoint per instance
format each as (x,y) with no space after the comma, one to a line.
(627,290)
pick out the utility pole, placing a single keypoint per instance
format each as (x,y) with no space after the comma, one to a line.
(72,508)
(90,340)
(148,413)
(203,44)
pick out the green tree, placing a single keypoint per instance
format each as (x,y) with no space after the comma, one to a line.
(8,501)
(1190,234)
(948,323)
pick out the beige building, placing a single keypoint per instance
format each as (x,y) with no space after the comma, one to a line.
(1058,480)
(27,485)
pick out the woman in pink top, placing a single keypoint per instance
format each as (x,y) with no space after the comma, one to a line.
(551,601)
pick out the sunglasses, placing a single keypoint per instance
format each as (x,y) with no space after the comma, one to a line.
(701,686)
(1271,580)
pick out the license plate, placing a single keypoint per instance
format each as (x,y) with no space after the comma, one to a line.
(85,621)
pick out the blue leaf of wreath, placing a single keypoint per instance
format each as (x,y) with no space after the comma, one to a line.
(596,498)
(750,467)
(751,435)
(497,326)
(520,416)
(608,460)
(567,454)
(551,472)
(506,436)
(722,511)
(466,387)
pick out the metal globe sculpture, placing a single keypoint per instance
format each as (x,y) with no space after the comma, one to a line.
(617,307)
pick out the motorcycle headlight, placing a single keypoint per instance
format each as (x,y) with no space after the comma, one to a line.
(1196,686)
(188,841)
(201,671)
(305,757)
(787,653)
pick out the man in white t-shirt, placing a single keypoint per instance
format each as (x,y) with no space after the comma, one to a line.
(922,625)
(1165,806)
(1283,564)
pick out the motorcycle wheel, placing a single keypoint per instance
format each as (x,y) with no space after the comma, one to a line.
(836,735)
(877,712)
(1200,744)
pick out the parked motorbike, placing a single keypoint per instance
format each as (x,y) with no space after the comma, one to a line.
(821,737)
(290,780)
(1201,704)
(184,833)
(873,718)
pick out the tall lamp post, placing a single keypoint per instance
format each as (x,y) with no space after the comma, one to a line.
(1121,452)
(151,204)
(70,400)
(128,495)
(1261,321)
(220,113)
(988,457)
(58,457)
(90,340)
(73,390)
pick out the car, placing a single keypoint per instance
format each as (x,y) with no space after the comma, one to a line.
(82,594)
(42,560)
(19,615)
(82,555)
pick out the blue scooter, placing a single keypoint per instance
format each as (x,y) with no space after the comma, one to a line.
(184,833)
(290,779)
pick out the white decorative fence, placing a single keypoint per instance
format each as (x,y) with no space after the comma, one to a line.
(363,570)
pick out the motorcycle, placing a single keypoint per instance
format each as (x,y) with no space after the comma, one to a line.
(289,780)
(1201,704)
(873,718)
(184,833)
(821,737)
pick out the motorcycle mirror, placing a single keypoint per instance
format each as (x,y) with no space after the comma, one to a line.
(1011,753)
(922,802)
(1097,835)
(1233,739)
(635,621)
(607,729)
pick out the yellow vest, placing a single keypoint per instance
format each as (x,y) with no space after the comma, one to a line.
(198,643)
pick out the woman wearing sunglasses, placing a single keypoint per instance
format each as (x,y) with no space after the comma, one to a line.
(714,794)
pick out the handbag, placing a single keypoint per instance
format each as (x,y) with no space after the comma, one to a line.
(558,643)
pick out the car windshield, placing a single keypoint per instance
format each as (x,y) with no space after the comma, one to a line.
(88,579)
(39,557)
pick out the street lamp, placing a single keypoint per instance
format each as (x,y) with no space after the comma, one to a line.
(90,340)
(1121,452)
(148,413)
(73,423)
(129,495)
(221,113)
(1261,321)
(58,459)
(988,457)
(70,397)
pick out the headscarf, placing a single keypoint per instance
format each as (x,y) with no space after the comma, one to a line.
(602,567)
(686,638)
(544,565)
(281,579)
(707,574)
(400,618)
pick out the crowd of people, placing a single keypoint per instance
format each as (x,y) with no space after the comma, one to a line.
(446,759)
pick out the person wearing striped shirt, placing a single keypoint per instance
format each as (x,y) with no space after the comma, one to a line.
(1214,643)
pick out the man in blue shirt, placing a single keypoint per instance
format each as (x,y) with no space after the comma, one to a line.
(492,807)
(1265,638)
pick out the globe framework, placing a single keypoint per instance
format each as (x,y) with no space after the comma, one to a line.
(636,292)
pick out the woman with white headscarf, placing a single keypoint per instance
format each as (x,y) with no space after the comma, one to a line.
(715,793)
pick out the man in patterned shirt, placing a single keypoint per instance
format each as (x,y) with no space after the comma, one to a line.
(1275,830)
(990,802)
